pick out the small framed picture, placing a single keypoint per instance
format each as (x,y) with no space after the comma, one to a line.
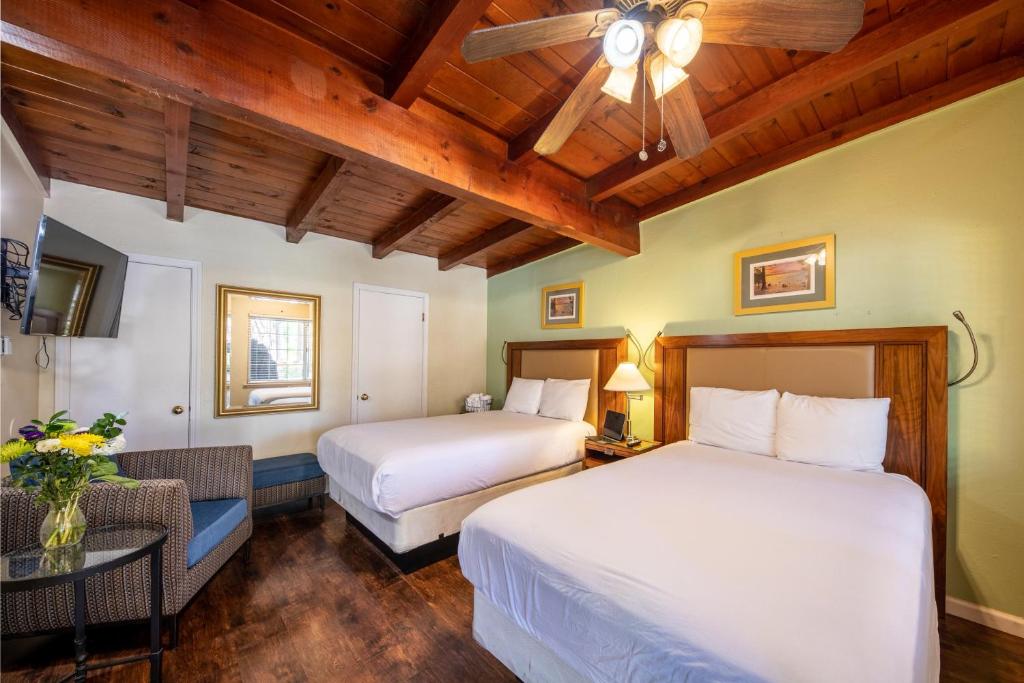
(793,276)
(561,306)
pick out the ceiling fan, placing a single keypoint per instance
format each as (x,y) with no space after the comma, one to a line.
(664,36)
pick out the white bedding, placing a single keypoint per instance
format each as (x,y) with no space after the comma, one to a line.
(695,563)
(403,464)
(280,395)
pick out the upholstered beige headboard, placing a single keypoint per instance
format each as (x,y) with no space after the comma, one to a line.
(907,364)
(595,359)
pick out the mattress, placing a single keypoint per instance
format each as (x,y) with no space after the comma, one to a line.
(399,465)
(422,525)
(694,563)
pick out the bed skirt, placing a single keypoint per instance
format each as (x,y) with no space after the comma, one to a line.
(521,653)
(429,523)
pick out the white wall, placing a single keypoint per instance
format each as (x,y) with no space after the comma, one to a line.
(238,251)
(21,202)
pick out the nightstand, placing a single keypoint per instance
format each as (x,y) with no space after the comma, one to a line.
(603,452)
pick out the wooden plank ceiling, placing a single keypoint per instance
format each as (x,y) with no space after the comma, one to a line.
(89,123)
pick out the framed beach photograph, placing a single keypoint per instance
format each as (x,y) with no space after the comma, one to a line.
(561,306)
(793,276)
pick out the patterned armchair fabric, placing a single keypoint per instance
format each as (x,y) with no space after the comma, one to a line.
(170,479)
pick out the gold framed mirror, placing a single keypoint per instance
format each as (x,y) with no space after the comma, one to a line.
(268,351)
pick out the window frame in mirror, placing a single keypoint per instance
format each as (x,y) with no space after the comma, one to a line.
(220,346)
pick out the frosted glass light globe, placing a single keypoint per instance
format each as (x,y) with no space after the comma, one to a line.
(679,39)
(624,42)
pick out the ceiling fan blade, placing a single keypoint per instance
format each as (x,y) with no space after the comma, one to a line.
(683,120)
(821,25)
(498,41)
(573,109)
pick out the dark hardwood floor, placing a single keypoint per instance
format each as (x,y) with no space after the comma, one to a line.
(318,602)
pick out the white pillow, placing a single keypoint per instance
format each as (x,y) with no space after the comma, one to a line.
(738,420)
(848,433)
(524,396)
(565,399)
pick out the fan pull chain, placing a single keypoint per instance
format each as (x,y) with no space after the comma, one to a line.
(643,114)
(662,145)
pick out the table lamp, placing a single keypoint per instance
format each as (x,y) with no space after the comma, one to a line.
(627,379)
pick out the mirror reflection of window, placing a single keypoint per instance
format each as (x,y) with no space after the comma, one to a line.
(276,336)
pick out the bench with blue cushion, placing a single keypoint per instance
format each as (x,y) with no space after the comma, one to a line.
(286,478)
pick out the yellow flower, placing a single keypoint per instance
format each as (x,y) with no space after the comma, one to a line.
(82,445)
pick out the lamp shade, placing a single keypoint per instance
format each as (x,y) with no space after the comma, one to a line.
(627,378)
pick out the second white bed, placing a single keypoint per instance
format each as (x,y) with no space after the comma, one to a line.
(697,563)
(396,466)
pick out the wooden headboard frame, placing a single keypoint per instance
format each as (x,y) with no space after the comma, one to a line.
(611,352)
(910,368)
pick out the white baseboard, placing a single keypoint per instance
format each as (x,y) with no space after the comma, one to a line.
(986,616)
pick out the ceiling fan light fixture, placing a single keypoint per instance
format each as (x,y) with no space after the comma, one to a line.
(621,83)
(623,43)
(665,75)
(679,39)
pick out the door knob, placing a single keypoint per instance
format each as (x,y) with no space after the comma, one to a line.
(364,397)
(178,410)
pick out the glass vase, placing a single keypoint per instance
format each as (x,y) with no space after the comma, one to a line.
(64,524)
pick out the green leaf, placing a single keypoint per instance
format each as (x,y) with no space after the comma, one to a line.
(56,415)
(119,480)
(37,422)
(121,421)
(103,468)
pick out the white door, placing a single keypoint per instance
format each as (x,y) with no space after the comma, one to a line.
(147,370)
(389,356)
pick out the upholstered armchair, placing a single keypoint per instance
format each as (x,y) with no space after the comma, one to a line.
(202,495)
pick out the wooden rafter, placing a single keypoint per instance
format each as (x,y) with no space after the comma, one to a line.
(488,240)
(904,35)
(314,200)
(559,245)
(26,142)
(444,27)
(430,212)
(947,92)
(177,116)
(230,63)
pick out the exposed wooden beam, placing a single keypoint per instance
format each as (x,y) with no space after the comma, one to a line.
(232,64)
(488,240)
(26,143)
(940,95)
(903,36)
(444,26)
(559,245)
(177,116)
(432,211)
(314,200)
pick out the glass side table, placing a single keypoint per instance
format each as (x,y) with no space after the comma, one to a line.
(101,550)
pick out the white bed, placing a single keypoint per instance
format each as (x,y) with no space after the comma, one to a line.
(410,481)
(267,396)
(695,563)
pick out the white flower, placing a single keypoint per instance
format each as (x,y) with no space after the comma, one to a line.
(113,446)
(48,445)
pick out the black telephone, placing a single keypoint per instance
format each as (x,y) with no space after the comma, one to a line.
(613,425)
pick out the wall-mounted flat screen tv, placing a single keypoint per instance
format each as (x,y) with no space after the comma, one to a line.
(75,286)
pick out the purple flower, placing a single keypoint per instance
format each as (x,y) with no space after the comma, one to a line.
(31,433)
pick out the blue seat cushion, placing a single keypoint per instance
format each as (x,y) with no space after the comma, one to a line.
(284,469)
(212,521)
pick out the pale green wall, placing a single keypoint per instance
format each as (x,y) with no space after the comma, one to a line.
(928,217)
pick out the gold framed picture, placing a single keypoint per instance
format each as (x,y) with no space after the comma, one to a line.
(792,276)
(561,306)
